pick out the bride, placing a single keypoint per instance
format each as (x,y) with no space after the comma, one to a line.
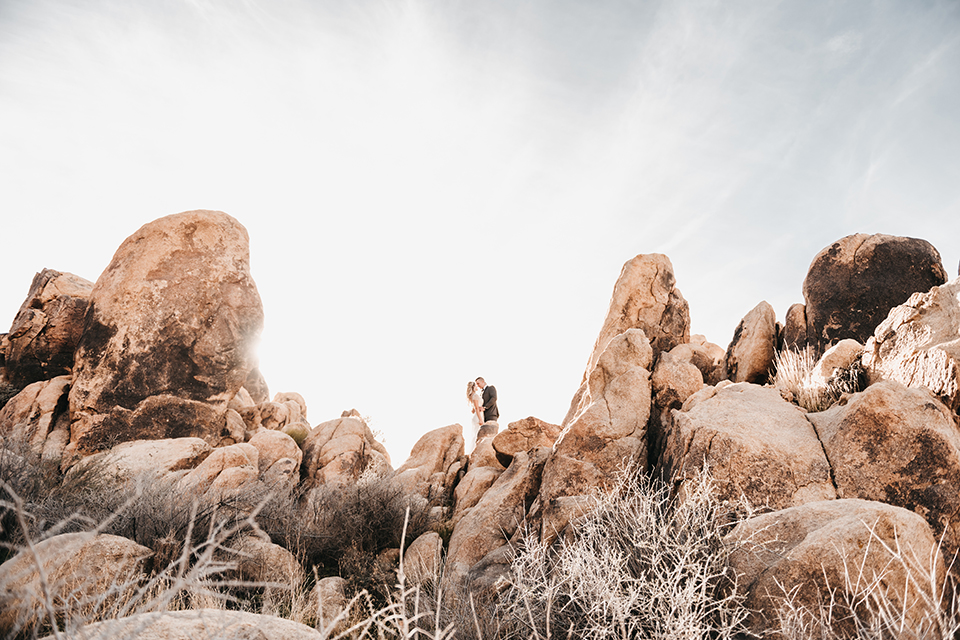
(476,408)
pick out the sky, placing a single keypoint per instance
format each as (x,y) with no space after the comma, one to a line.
(442,189)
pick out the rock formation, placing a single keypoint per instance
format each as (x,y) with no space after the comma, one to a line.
(753,348)
(755,444)
(918,344)
(168,336)
(852,285)
(46,330)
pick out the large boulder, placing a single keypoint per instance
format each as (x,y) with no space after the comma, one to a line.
(169,335)
(338,451)
(146,459)
(422,560)
(645,297)
(918,344)
(608,429)
(256,559)
(225,469)
(46,329)
(836,550)
(70,572)
(198,624)
(675,378)
(755,443)
(37,419)
(524,435)
(753,348)
(496,518)
(853,284)
(427,471)
(899,446)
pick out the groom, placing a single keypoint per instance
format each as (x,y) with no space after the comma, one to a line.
(489,397)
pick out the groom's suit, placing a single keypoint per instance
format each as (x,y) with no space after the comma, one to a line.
(490,412)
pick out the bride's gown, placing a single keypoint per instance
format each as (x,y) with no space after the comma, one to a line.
(474,422)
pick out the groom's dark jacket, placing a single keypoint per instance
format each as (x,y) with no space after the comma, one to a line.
(490,403)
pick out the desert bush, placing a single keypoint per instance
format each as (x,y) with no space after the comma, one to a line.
(345,529)
(642,563)
(794,380)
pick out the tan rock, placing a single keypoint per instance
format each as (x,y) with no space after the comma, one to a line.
(257,386)
(491,523)
(238,464)
(30,416)
(259,560)
(853,284)
(754,346)
(274,415)
(707,357)
(471,489)
(170,334)
(837,359)
(297,399)
(674,379)
(47,328)
(918,344)
(524,435)
(198,624)
(795,328)
(608,429)
(338,451)
(329,597)
(645,297)
(242,400)
(79,570)
(755,443)
(144,458)
(899,446)
(282,474)
(813,548)
(484,455)
(274,445)
(434,453)
(422,560)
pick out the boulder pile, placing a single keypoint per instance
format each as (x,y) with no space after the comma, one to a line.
(150,373)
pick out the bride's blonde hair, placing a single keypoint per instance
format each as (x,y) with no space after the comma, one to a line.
(471,388)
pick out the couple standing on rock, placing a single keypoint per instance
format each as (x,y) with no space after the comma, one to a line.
(482,406)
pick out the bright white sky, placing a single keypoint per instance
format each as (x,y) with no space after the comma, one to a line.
(437,190)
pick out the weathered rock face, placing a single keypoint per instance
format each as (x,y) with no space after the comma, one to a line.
(338,451)
(918,344)
(755,443)
(422,560)
(78,569)
(47,327)
(608,428)
(169,334)
(524,435)
(259,560)
(330,599)
(198,624)
(852,284)
(801,548)
(38,417)
(645,297)
(225,469)
(899,446)
(431,461)
(492,522)
(144,459)
(795,328)
(674,379)
(754,346)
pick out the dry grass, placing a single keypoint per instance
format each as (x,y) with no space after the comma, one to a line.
(641,564)
(794,380)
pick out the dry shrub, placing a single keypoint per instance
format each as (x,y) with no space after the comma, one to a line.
(642,563)
(794,380)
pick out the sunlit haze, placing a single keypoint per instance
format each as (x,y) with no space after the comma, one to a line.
(440,190)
